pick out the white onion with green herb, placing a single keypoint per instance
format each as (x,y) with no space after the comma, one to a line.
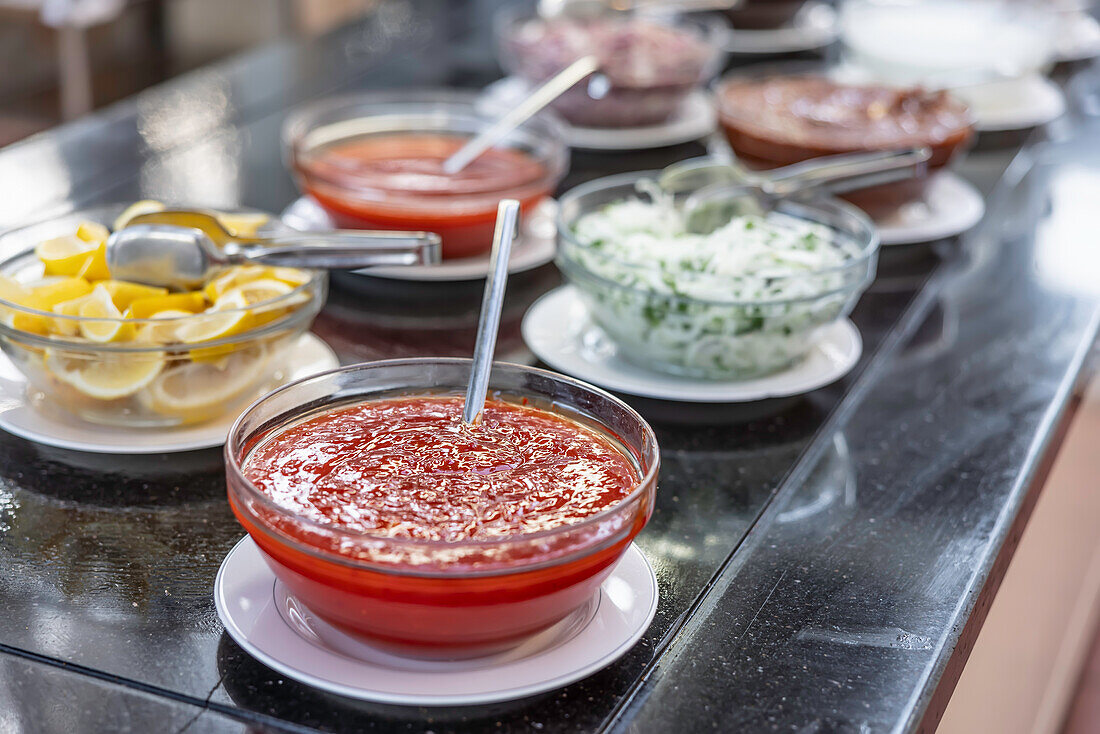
(743,301)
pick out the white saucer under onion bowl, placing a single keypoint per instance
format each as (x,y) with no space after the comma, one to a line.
(695,119)
(559,331)
(536,245)
(950,206)
(813,27)
(281,632)
(37,419)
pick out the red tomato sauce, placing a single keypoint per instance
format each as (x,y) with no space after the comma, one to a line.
(398,182)
(410,468)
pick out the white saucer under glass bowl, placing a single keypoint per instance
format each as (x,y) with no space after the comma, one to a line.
(34,418)
(535,246)
(1078,36)
(992,54)
(950,206)
(559,331)
(694,120)
(814,26)
(1010,104)
(282,633)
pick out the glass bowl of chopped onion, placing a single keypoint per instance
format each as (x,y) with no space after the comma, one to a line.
(748,299)
(120,353)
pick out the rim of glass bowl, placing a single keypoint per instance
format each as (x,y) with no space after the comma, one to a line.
(799,69)
(713,30)
(543,129)
(313,289)
(233,446)
(866,240)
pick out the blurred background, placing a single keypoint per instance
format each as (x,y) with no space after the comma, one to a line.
(62,58)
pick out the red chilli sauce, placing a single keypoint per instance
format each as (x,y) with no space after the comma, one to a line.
(398,182)
(410,468)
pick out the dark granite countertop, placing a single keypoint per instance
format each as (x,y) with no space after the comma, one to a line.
(823,568)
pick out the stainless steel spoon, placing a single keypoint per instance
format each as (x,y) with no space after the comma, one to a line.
(722,190)
(182,249)
(492,303)
(557,85)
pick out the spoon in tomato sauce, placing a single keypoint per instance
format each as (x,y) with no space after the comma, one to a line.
(558,85)
(492,303)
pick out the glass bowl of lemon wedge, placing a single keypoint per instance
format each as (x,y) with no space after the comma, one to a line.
(122,353)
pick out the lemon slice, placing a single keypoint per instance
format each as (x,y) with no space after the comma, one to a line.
(145,206)
(190,303)
(226,317)
(123,292)
(291,276)
(243,224)
(106,376)
(201,390)
(166,333)
(98,305)
(232,278)
(256,291)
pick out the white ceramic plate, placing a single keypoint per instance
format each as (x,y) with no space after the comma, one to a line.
(951,205)
(284,635)
(1078,36)
(1011,104)
(42,422)
(536,245)
(814,26)
(558,329)
(696,119)
(1035,100)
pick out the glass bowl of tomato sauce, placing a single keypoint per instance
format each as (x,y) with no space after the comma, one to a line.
(375,161)
(394,522)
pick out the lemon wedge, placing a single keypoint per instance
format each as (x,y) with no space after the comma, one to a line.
(53,292)
(93,232)
(15,292)
(166,333)
(66,326)
(191,302)
(197,391)
(98,305)
(106,376)
(95,265)
(12,290)
(123,292)
(242,224)
(145,206)
(41,296)
(64,255)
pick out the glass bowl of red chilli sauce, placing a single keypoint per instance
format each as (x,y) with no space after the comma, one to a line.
(393,521)
(375,161)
